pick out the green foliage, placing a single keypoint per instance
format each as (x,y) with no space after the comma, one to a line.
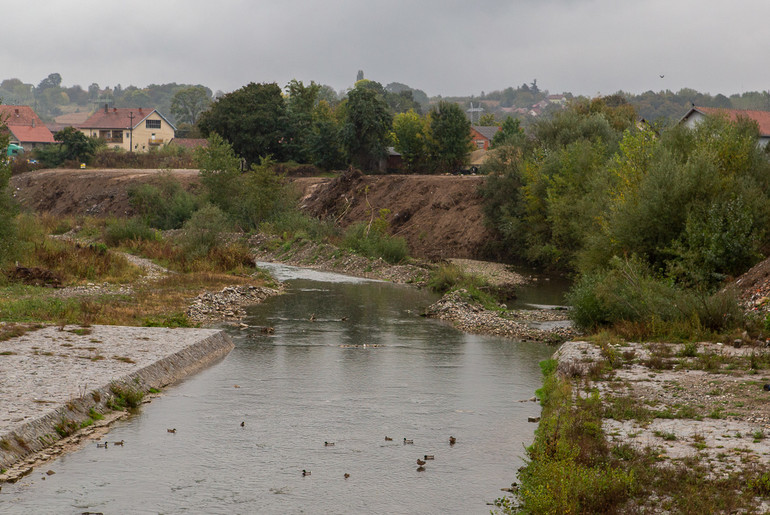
(448,277)
(629,293)
(166,205)
(252,119)
(248,198)
(188,103)
(120,230)
(510,133)
(372,240)
(366,129)
(202,232)
(124,397)
(8,209)
(449,137)
(569,468)
(409,139)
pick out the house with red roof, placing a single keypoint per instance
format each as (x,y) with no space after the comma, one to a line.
(697,114)
(133,129)
(25,127)
(482,135)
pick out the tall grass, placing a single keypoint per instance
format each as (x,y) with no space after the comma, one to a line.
(361,239)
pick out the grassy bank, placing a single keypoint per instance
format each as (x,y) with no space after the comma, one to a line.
(574,467)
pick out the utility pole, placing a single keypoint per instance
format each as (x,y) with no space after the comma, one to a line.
(131,132)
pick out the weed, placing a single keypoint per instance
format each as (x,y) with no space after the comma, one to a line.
(124,397)
(666,435)
(124,359)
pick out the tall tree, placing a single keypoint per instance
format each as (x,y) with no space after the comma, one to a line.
(409,139)
(449,140)
(300,102)
(252,119)
(188,103)
(367,126)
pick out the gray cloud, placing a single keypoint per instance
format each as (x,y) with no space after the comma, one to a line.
(443,47)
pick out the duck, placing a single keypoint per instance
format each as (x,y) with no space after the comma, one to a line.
(429,457)
(408,442)
(346,475)
(420,462)
(101,445)
(305,472)
(171,430)
(452,440)
(328,444)
(243,424)
(118,443)
(312,317)
(388,439)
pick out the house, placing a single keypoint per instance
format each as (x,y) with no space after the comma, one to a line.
(482,136)
(130,128)
(25,127)
(697,114)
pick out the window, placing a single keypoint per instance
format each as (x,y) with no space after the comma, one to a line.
(152,124)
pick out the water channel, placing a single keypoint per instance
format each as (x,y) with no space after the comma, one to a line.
(350,362)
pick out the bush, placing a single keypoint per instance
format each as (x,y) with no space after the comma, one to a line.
(201,233)
(629,293)
(166,205)
(117,231)
(372,242)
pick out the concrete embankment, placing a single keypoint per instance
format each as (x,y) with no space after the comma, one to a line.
(55,378)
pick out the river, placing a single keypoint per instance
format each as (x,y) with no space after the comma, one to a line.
(350,362)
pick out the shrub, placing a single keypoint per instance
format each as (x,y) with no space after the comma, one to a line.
(201,233)
(166,205)
(119,230)
(360,238)
(629,293)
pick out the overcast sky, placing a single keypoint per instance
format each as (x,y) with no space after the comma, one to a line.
(444,47)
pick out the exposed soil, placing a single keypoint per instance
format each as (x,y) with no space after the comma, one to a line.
(439,216)
(100,192)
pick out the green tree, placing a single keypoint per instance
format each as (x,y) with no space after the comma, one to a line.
(76,146)
(510,133)
(409,139)
(367,126)
(487,120)
(300,102)
(252,119)
(188,103)
(324,141)
(7,206)
(449,136)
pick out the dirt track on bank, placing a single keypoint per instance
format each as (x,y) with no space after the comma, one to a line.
(439,216)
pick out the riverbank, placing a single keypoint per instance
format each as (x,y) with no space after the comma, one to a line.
(661,427)
(61,384)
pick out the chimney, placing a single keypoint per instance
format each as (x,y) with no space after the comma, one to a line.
(16,111)
(106,108)
(114,109)
(33,123)
(140,110)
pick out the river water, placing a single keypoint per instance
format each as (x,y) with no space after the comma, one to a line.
(350,362)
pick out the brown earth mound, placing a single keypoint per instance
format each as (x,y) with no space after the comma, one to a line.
(754,287)
(439,216)
(100,192)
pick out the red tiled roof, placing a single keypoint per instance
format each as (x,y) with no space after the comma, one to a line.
(190,142)
(761,117)
(39,134)
(116,118)
(25,124)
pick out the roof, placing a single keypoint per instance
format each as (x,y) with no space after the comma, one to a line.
(39,134)
(761,117)
(25,125)
(486,131)
(190,142)
(120,118)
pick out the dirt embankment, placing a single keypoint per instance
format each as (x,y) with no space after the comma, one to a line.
(439,216)
(100,192)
